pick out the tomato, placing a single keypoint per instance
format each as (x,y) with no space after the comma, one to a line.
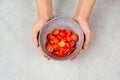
(56,47)
(50,36)
(74,37)
(68,32)
(49,48)
(62,33)
(66,45)
(59,54)
(71,50)
(71,43)
(54,40)
(68,39)
(68,51)
(59,37)
(55,32)
(61,43)
(63,50)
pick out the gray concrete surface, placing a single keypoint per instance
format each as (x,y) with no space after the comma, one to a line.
(20,59)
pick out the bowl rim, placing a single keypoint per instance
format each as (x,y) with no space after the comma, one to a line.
(57,58)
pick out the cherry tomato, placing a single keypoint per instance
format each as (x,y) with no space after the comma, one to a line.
(59,37)
(74,37)
(59,54)
(68,32)
(62,33)
(55,32)
(50,36)
(66,45)
(49,48)
(56,47)
(71,43)
(61,43)
(71,50)
(68,39)
(64,39)
(54,40)
(63,50)
(67,52)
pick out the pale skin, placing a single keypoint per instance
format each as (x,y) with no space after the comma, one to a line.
(81,16)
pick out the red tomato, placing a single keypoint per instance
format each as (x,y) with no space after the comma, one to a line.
(68,39)
(63,50)
(59,37)
(64,39)
(49,48)
(67,52)
(62,33)
(59,54)
(68,32)
(61,44)
(54,40)
(66,45)
(56,47)
(71,43)
(55,32)
(71,50)
(50,36)
(74,37)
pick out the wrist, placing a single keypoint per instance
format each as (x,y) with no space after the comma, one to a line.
(80,19)
(45,18)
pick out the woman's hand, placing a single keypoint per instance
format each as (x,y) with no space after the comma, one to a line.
(86,29)
(35,32)
(87,34)
(81,16)
(44,8)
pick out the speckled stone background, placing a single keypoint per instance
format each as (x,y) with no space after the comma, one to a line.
(20,59)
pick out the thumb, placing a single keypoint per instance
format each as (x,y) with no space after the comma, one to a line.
(43,54)
(76,56)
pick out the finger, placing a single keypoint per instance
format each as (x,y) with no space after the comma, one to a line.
(36,29)
(76,56)
(35,36)
(43,54)
(87,40)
